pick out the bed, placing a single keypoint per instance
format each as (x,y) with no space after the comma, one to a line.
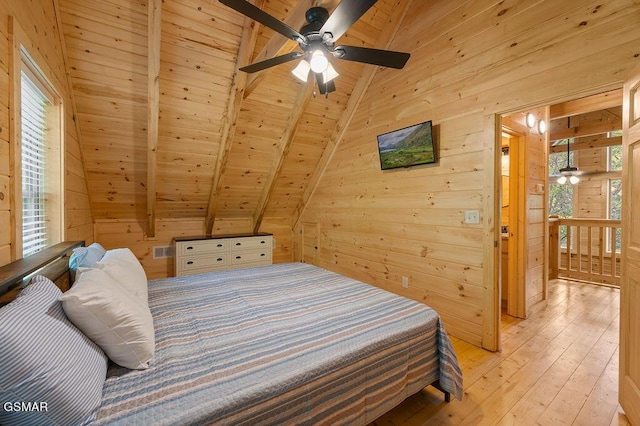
(282,344)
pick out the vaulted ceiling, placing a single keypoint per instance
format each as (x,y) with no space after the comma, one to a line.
(229,145)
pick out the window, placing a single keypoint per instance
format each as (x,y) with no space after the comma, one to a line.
(560,196)
(561,205)
(614,158)
(40,159)
(614,212)
(614,195)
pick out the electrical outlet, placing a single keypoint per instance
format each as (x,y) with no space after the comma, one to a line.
(405,282)
(471,216)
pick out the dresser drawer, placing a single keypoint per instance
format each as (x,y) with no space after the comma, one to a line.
(199,255)
(202,247)
(189,264)
(250,243)
(251,257)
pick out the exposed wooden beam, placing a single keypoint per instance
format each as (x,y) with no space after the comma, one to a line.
(590,142)
(384,41)
(297,112)
(280,45)
(586,130)
(238,85)
(593,103)
(154,24)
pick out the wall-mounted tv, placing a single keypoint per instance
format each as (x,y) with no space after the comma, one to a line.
(407,147)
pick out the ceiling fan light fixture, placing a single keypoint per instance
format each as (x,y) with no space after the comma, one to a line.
(574,179)
(319,61)
(329,74)
(562,180)
(302,71)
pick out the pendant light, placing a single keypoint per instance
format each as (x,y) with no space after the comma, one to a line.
(568,173)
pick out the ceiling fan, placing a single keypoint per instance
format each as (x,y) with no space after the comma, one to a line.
(317,40)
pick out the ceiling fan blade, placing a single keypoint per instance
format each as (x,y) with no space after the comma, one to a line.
(384,58)
(344,16)
(259,66)
(325,88)
(264,18)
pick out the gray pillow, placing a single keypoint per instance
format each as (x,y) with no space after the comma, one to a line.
(46,360)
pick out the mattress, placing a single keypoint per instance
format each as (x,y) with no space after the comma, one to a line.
(287,343)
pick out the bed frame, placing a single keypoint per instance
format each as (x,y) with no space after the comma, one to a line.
(52,262)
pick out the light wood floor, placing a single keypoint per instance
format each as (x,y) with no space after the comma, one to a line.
(558,367)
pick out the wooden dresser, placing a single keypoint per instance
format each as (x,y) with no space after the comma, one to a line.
(195,255)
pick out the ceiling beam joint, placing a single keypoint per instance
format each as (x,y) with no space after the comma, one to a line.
(245,51)
(297,112)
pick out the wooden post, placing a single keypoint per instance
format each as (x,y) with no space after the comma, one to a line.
(154,21)
(554,247)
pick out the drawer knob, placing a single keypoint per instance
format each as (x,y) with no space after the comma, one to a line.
(238,257)
(263,254)
(190,262)
(189,248)
(238,244)
(219,245)
(219,259)
(263,242)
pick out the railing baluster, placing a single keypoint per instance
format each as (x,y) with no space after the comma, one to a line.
(589,254)
(578,233)
(613,254)
(569,250)
(601,251)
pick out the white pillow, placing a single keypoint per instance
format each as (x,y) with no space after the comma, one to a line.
(112,317)
(125,269)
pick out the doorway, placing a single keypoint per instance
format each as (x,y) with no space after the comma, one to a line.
(523,216)
(511,190)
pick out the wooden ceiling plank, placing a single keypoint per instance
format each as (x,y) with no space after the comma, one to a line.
(74,109)
(154,20)
(593,142)
(297,112)
(357,95)
(593,103)
(280,45)
(238,85)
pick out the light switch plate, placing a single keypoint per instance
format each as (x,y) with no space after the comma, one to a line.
(471,216)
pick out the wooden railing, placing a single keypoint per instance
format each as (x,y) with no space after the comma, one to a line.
(585,250)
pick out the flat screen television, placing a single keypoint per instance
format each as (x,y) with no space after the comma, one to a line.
(407,147)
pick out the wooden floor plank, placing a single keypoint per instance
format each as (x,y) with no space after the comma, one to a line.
(557,367)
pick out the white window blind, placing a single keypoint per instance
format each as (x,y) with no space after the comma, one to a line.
(34,127)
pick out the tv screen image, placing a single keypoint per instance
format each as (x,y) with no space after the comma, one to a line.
(407,147)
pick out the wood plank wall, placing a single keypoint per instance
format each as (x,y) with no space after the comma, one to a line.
(38,20)
(536,212)
(469,59)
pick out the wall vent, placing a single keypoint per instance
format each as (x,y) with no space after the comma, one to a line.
(162,252)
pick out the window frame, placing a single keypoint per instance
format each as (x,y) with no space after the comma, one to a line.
(22,60)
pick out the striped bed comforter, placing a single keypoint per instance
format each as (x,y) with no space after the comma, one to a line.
(280,344)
